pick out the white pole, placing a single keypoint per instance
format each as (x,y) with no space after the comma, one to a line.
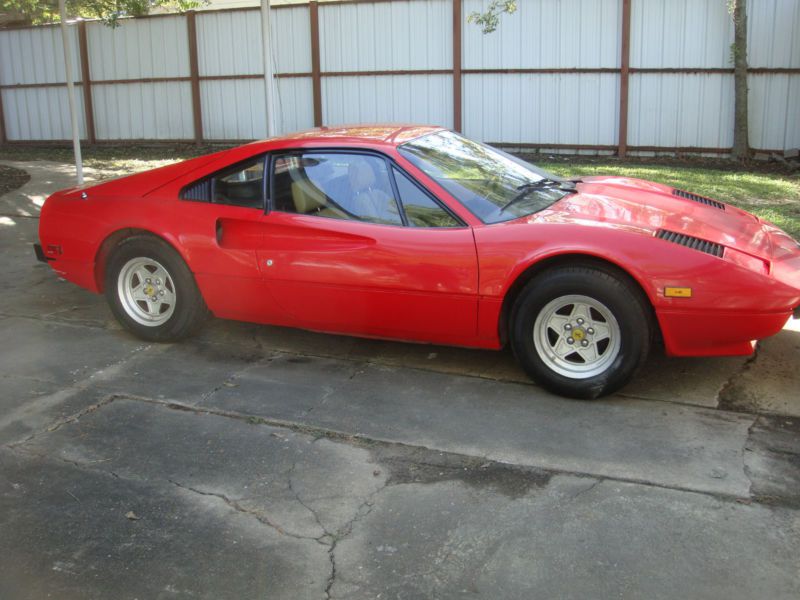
(73,113)
(269,80)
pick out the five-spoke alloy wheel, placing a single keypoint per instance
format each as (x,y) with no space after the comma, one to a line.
(581,331)
(146,291)
(151,290)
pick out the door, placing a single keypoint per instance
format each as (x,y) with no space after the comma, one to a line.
(353,245)
(218,221)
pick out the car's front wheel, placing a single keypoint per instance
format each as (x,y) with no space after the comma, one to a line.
(151,291)
(581,331)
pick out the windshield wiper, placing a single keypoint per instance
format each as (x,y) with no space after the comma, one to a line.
(525,189)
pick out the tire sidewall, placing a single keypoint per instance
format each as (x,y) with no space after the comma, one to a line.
(187,297)
(616,295)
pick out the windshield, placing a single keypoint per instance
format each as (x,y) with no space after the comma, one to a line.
(492,184)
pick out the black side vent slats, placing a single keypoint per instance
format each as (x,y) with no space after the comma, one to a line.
(200,191)
(694,243)
(700,199)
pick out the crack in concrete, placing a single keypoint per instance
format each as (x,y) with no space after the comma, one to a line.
(84,384)
(371,444)
(746,448)
(588,489)
(331,539)
(53,318)
(234,504)
(228,380)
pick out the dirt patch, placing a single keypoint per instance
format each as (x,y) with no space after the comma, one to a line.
(12,179)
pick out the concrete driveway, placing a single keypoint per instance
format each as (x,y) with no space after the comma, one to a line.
(262,462)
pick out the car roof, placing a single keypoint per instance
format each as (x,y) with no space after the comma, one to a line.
(378,135)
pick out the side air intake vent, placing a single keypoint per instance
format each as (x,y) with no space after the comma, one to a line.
(700,199)
(691,242)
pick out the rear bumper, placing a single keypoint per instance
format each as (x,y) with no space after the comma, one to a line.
(40,255)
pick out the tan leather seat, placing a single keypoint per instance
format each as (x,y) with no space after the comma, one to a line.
(307,198)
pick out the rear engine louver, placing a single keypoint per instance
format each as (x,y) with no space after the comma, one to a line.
(700,199)
(691,242)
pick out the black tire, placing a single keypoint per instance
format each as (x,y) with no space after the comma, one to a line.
(187,312)
(550,354)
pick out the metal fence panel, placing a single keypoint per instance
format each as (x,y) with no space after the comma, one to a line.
(681,34)
(234,109)
(40,113)
(774,108)
(139,48)
(295,105)
(542,108)
(388,99)
(547,34)
(773,33)
(518,84)
(229,43)
(386,36)
(35,56)
(291,40)
(143,111)
(681,110)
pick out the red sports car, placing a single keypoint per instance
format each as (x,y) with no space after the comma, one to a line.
(417,233)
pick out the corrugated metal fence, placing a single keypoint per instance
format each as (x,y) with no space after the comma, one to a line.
(558,75)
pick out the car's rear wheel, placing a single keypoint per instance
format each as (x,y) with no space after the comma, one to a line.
(151,291)
(581,331)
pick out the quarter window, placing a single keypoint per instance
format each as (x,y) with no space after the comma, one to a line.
(239,185)
(242,186)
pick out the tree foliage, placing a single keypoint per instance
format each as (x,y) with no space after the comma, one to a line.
(490,19)
(109,11)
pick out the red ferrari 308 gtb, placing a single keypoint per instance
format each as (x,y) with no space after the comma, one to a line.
(417,233)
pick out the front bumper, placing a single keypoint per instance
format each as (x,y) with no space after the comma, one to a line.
(717,333)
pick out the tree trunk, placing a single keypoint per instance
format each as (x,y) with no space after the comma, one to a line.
(741,143)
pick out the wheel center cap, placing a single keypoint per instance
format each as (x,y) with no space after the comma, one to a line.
(578,334)
(149,290)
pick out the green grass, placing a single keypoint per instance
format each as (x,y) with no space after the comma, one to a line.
(764,189)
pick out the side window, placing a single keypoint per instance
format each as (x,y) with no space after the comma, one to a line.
(421,209)
(335,185)
(241,185)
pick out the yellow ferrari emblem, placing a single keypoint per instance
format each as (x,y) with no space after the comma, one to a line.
(578,334)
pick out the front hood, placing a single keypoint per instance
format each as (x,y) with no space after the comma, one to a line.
(646,207)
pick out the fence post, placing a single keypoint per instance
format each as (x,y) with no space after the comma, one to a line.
(3,138)
(624,74)
(457,108)
(194,74)
(86,83)
(316,78)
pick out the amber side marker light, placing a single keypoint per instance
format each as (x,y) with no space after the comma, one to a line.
(678,292)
